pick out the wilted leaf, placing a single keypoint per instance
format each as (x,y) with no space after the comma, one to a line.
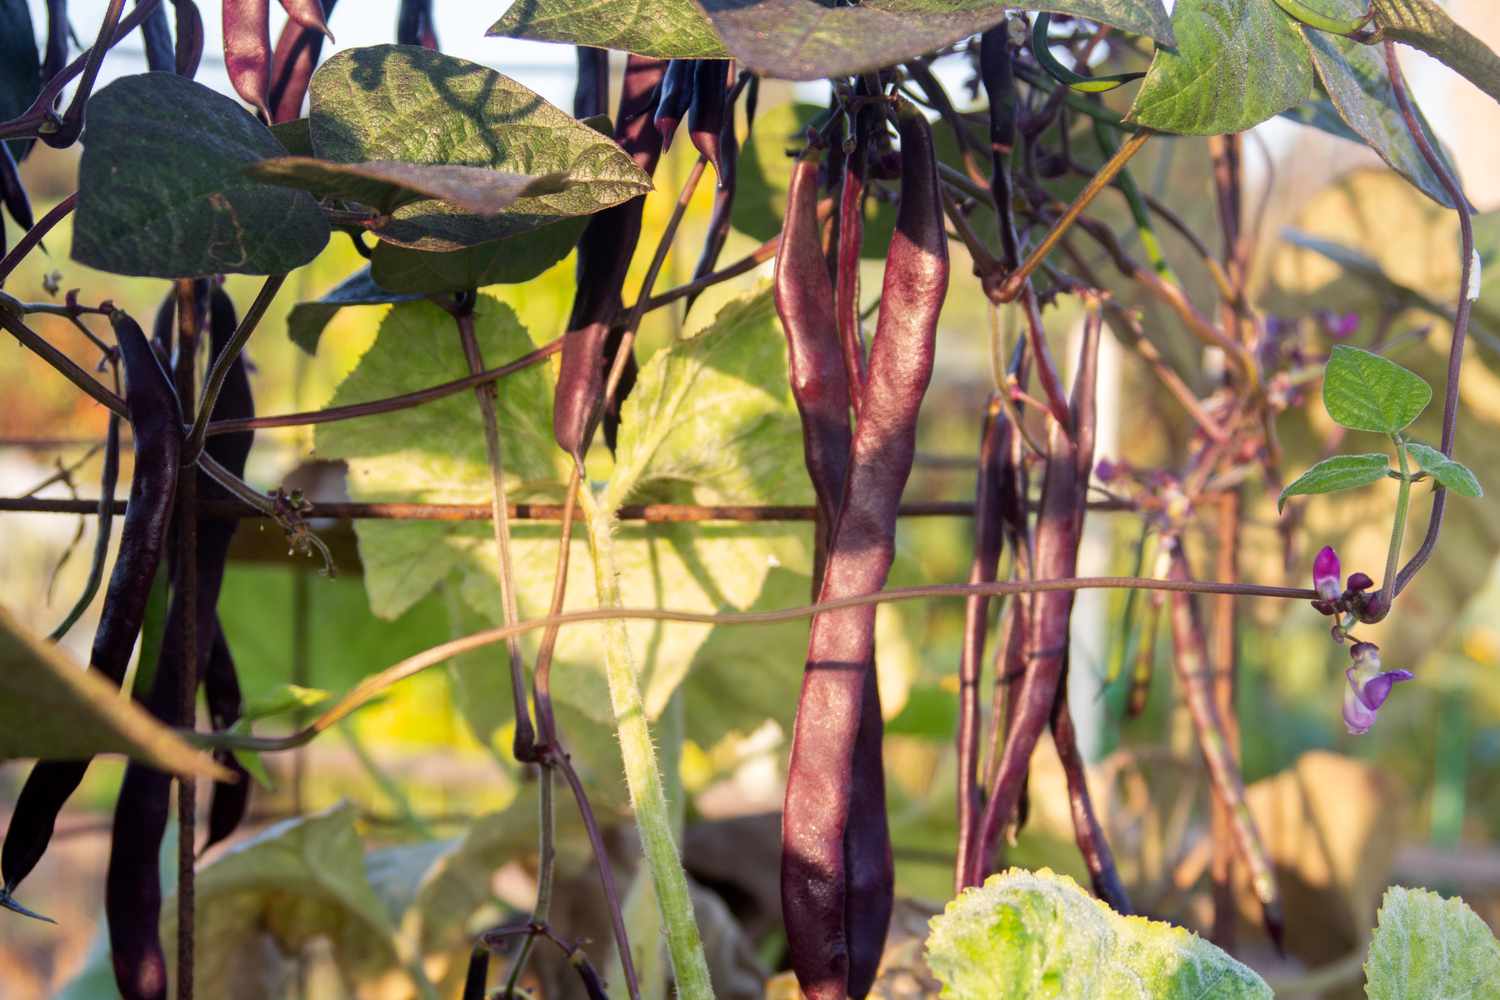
(668,29)
(1366,392)
(505,261)
(305,323)
(1430,948)
(1236,64)
(1033,935)
(50,707)
(385,185)
(811,39)
(395,102)
(1341,472)
(1454,475)
(1424,25)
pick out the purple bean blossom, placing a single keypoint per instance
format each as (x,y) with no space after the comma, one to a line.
(1369,686)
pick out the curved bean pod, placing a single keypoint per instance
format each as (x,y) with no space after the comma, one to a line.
(292,64)
(161,54)
(706,112)
(675,97)
(247,51)
(189,50)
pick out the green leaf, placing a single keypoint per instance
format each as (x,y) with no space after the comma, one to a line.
(506,261)
(1236,64)
(395,102)
(1342,472)
(202,216)
(51,707)
(1424,25)
(1452,474)
(1033,935)
(305,323)
(668,29)
(811,39)
(385,185)
(1366,392)
(1359,85)
(295,136)
(1426,947)
(294,881)
(20,67)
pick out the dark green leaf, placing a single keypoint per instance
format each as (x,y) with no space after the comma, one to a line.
(1424,25)
(386,185)
(162,190)
(507,261)
(1319,113)
(20,67)
(811,39)
(669,29)
(51,707)
(306,321)
(295,135)
(1342,472)
(1236,64)
(392,102)
(1359,86)
(1366,392)
(1450,473)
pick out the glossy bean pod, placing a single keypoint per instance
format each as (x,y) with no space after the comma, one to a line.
(307,13)
(55,55)
(292,63)
(12,191)
(247,51)
(189,45)
(675,97)
(591,91)
(706,112)
(161,53)
(156,425)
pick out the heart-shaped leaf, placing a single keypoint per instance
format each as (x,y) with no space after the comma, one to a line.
(386,185)
(397,102)
(1450,473)
(811,39)
(50,707)
(1424,25)
(1341,472)
(667,29)
(1236,64)
(1366,392)
(201,216)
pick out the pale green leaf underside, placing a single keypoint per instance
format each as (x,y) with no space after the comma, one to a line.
(51,707)
(385,185)
(201,216)
(1450,473)
(1236,64)
(1342,472)
(1426,947)
(1424,25)
(668,29)
(811,39)
(1359,85)
(1034,935)
(1366,392)
(396,102)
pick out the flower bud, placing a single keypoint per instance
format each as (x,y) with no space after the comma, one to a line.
(1359,581)
(1326,574)
(1369,686)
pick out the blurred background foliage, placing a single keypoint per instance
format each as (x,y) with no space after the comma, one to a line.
(422,825)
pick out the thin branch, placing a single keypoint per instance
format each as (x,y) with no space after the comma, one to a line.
(224,362)
(61,362)
(35,234)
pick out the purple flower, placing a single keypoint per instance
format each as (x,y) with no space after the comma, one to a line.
(1369,686)
(1326,574)
(1339,326)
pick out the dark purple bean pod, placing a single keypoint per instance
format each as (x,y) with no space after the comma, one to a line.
(414,24)
(989,539)
(1070,456)
(997,73)
(721,221)
(675,97)
(610,416)
(231,800)
(591,92)
(478,974)
(851,227)
(604,253)
(869,860)
(307,13)
(189,51)
(55,55)
(161,54)
(593,983)
(1087,831)
(1194,678)
(156,424)
(815,877)
(163,328)
(247,51)
(292,64)
(12,191)
(706,112)
(132,884)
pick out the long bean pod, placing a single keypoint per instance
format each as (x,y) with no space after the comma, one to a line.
(189,45)
(292,63)
(55,56)
(814,877)
(674,98)
(591,91)
(156,425)
(721,219)
(247,51)
(161,54)
(707,110)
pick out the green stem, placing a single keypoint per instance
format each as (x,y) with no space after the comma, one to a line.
(653,816)
(1398,530)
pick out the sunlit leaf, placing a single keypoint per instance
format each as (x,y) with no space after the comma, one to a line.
(1366,392)
(1424,25)
(1341,472)
(1453,474)
(668,29)
(1426,947)
(386,185)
